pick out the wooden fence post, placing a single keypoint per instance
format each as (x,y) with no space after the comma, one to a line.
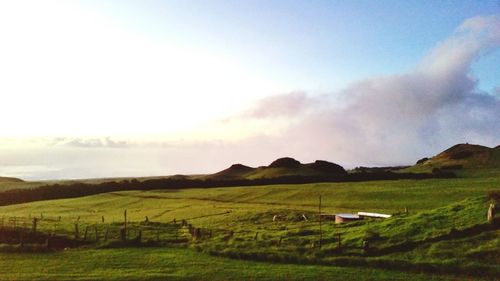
(35,220)
(77,233)
(85,234)
(139,236)
(125,222)
(96,234)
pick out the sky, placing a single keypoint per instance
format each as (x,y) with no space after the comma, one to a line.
(143,88)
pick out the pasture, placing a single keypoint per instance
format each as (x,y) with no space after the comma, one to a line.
(444,234)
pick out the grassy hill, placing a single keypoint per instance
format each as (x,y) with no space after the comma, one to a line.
(9,180)
(282,167)
(460,157)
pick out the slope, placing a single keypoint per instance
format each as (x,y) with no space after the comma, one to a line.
(461,156)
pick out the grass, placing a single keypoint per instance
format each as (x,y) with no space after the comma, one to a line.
(175,264)
(225,207)
(203,205)
(427,239)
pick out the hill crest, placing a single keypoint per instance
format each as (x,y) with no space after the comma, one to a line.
(281,167)
(10,179)
(460,156)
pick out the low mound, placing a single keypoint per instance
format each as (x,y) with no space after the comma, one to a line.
(10,179)
(285,162)
(327,167)
(236,171)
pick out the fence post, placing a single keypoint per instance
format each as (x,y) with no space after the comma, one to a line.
(96,234)
(77,233)
(139,236)
(35,220)
(85,234)
(106,234)
(125,222)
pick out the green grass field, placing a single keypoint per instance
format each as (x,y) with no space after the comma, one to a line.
(175,264)
(440,211)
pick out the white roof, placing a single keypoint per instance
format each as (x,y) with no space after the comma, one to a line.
(373,215)
(348,216)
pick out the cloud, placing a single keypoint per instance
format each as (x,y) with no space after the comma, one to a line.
(376,121)
(87,142)
(395,119)
(285,105)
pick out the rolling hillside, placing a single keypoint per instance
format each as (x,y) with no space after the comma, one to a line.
(460,156)
(444,233)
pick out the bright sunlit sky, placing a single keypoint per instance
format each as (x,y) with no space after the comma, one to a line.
(237,80)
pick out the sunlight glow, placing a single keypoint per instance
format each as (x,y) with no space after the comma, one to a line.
(69,71)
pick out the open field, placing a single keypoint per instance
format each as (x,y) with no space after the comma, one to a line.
(175,264)
(445,231)
(165,205)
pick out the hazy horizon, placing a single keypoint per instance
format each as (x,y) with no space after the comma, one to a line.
(127,88)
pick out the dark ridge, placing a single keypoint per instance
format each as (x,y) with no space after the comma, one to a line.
(461,147)
(179,177)
(362,169)
(327,167)
(285,162)
(239,168)
(234,169)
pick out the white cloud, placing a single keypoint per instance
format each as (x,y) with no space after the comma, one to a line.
(377,121)
(396,119)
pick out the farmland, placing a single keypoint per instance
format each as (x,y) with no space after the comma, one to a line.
(444,233)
